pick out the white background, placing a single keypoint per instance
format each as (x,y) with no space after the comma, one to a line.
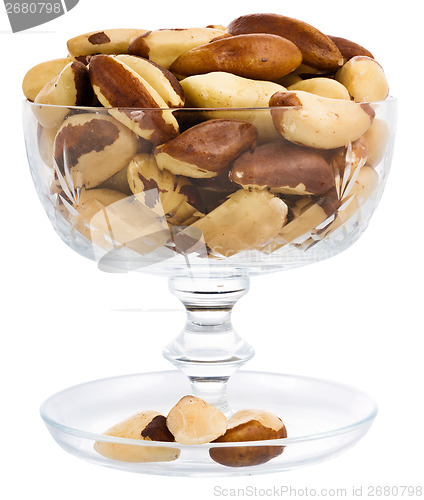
(356,318)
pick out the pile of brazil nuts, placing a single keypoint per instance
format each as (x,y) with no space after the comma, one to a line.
(193,421)
(240,179)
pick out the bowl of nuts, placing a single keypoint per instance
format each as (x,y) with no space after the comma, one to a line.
(209,155)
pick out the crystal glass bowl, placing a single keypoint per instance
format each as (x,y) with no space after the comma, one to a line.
(209,210)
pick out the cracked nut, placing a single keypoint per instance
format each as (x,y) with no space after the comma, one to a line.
(193,421)
(249,425)
(145,426)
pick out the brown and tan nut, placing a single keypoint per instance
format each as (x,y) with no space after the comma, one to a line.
(256,56)
(164,46)
(90,148)
(206,149)
(113,41)
(162,80)
(317,49)
(118,86)
(364,78)
(283,168)
(247,220)
(193,421)
(144,426)
(225,90)
(38,76)
(305,72)
(376,137)
(172,196)
(324,87)
(71,87)
(319,122)
(249,425)
(349,49)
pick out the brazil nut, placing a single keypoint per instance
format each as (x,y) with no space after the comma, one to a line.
(118,86)
(256,56)
(171,196)
(38,76)
(364,78)
(201,151)
(349,49)
(113,41)
(90,148)
(145,426)
(71,87)
(285,168)
(247,220)
(317,49)
(324,87)
(162,80)
(164,46)
(319,122)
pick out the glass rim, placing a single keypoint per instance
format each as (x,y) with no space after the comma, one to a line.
(389,100)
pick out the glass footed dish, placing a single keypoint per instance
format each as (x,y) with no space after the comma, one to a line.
(221,198)
(322,418)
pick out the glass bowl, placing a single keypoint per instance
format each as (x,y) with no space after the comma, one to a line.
(209,206)
(322,419)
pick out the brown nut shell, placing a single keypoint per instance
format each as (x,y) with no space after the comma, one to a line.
(317,49)
(194,421)
(256,56)
(166,45)
(90,148)
(113,41)
(319,122)
(118,86)
(147,425)
(249,425)
(207,148)
(283,168)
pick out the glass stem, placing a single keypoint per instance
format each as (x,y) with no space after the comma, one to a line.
(209,350)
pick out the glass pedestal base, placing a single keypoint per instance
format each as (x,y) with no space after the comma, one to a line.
(323,419)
